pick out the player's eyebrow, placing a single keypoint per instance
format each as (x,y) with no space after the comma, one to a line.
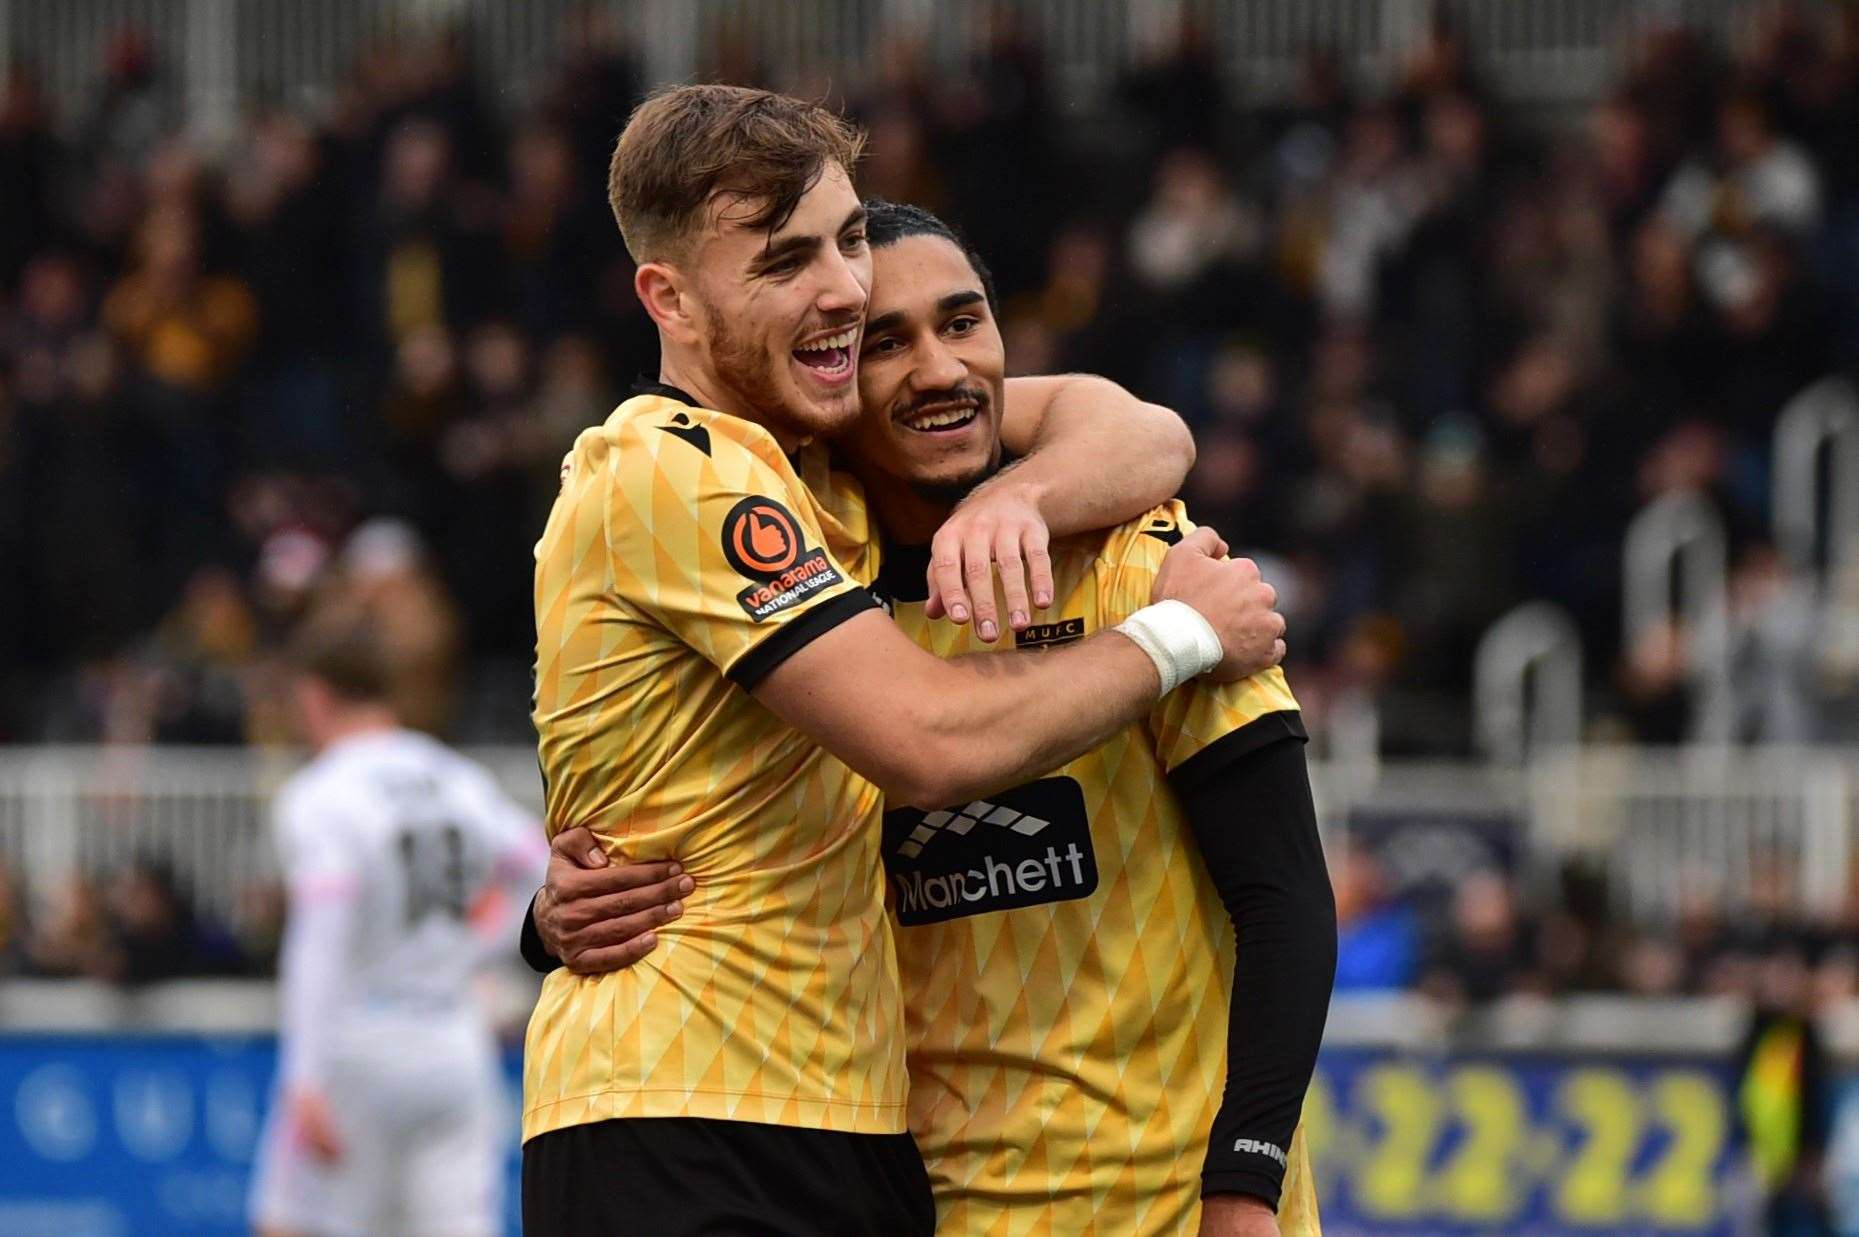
(948,304)
(776,251)
(883,322)
(800,246)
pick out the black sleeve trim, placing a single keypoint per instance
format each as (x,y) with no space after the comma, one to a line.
(1192,774)
(1265,1185)
(793,636)
(1256,827)
(531,947)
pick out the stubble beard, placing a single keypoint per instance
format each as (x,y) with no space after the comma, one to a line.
(954,489)
(748,371)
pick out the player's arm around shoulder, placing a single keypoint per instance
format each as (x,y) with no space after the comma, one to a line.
(1098,453)
(1092,454)
(932,732)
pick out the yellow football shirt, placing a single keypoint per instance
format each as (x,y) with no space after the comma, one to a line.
(682,560)
(1066,961)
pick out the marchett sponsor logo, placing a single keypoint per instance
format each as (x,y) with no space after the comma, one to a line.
(1024,847)
(1259,1148)
(808,576)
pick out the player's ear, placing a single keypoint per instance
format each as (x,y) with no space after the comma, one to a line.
(664,291)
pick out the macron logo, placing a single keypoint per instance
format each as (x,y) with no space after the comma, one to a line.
(1259,1148)
(960,822)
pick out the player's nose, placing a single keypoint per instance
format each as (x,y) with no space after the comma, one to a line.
(939,369)
(841,290)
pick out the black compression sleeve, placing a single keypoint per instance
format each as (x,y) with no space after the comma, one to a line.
(530,944)
(1257,830)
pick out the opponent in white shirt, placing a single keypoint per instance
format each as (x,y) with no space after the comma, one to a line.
(394,850)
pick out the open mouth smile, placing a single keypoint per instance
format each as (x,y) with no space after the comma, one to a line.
(829,358)
(943,418)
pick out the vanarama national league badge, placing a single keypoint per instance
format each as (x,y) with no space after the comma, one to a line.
(762,541)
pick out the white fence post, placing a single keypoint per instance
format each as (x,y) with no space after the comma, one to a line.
(670,41)
(1534,646)
(1682,531)
(1825,416)
(1826,844)
(210,64)
(50,819)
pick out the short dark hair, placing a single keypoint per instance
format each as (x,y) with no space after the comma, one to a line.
(341,647)
(886,223)
(688,144)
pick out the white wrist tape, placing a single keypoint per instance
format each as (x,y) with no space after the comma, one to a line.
(1178,640)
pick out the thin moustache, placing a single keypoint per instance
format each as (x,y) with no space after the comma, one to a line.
(947,399)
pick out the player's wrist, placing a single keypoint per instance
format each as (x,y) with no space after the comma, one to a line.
(1014,485)
(1025,486)
(1178,639)
(1257,1187)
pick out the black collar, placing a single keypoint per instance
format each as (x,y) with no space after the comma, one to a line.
(643,385)
(903,571)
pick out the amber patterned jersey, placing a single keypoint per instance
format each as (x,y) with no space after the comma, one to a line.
(682,561)
(1066,961)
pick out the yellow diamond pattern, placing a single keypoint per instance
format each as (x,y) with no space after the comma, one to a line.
(774,998)
(1066,1060)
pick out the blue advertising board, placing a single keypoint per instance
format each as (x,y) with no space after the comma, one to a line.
(138,1135)
(120,1136)
(1520,1144)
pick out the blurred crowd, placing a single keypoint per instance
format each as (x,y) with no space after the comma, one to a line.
(1437,350)
(137,926)
(1475,939)
(1479,938)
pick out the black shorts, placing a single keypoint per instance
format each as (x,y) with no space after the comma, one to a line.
(679,1176)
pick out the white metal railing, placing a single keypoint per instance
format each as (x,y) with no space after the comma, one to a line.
(97,810)
(1676,569)
(224,51)
(1764,831)
(1401,1020)
(1815,523)
(1526,682)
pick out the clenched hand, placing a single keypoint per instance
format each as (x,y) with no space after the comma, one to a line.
(1231,596)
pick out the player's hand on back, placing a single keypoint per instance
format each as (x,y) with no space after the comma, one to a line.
(597,915)
(314,1125)
(999,525)
(1237,1215)
(1231,596)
